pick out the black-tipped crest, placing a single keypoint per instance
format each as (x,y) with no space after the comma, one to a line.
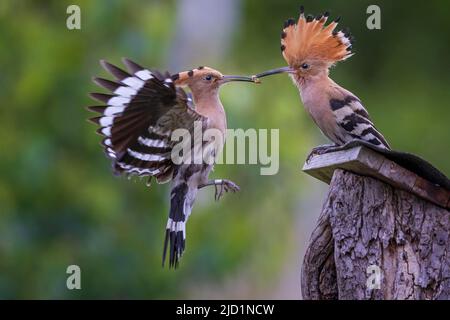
(318,42)
(289,22)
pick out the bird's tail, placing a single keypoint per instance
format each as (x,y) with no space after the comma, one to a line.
(309,38)
(180,209)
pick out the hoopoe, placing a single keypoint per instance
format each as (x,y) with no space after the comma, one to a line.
(311,48)
(140,115)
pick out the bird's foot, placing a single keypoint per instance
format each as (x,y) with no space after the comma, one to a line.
(326,148)
(221,186)
(224,185)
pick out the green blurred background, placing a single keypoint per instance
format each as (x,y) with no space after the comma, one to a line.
(60,204)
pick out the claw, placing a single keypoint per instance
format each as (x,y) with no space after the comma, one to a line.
(215,193)
(321,150)
(226,186)
(220,187)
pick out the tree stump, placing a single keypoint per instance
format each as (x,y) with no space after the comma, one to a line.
(376,239)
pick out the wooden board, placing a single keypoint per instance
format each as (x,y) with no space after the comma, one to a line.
(364,161)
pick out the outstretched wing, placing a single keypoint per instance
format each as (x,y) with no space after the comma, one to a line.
(141,112)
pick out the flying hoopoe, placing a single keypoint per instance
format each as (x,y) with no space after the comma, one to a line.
(141,114)
(310,48)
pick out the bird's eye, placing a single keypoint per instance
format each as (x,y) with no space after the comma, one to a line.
(208,77)
(305,66)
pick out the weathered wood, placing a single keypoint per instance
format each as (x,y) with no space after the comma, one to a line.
(320,283)
(366,222)
(364,161)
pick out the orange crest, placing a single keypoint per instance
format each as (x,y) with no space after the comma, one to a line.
(310,39)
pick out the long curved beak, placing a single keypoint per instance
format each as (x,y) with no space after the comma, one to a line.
(274,71)
(229,78)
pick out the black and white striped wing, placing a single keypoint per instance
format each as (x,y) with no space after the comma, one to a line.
(141,112)
(354,119)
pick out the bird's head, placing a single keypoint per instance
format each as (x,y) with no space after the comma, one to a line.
(310,47)
(206,80)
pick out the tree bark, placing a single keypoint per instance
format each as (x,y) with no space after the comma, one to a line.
(366,222)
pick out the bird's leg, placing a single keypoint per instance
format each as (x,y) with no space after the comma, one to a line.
(220,185)
(325,148)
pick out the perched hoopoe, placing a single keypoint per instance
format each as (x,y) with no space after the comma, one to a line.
(310,48)
(140,115)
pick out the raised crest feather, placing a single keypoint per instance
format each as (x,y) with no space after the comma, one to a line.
(311,39)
